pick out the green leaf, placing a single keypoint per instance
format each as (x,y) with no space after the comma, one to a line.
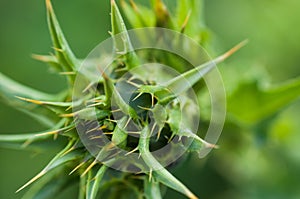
(63,52)
(138,15)
(163,17)
(158,171)
(119,137)
(10,89)
(159,115)
(82,187)
(60,159)
(93,182)
(49,103)
(186,80)
(53,183)
(190,19)
(167,91)
(125,108)
(251,103)
(152,189)
(179,124)
(31,140)
(55,107)
(121,38)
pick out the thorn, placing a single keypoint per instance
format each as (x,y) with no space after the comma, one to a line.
(48,133)
(152,99)
(30,100)
(70,128)
(96,104)
(121,69)
(127,123)
(150,175)
(137,96)
(32,180)
(131,78)
(134,6)
(89,168)
(207,144)
(49,6)
(186,20)
(76,168)
(179,138)
(96,128)
(26,143)
(110,120)
(68,108)
(132,151)
(171,138)
(68,151)
(43,58)
(88,87)
(152,129)
(133,84)
(158,135)
(144,108)
(231,51)
(58,49)
(110,146)
(67,73)
(67,115)
(95,100)
(134,132)
(95,137)
(55,136)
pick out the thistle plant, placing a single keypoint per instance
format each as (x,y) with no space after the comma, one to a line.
(115,117)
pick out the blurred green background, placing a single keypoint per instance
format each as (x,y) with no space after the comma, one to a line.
(251,163)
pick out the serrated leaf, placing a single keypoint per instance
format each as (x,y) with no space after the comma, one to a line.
(93,182)
(63,52)
(251,103)
(60,159)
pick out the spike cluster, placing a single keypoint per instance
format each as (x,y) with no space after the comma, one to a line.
(159,101)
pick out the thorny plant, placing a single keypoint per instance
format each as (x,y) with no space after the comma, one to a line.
(150,119)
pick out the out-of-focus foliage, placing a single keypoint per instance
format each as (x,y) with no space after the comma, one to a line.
(258,156)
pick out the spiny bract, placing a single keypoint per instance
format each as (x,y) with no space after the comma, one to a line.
(149,98)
